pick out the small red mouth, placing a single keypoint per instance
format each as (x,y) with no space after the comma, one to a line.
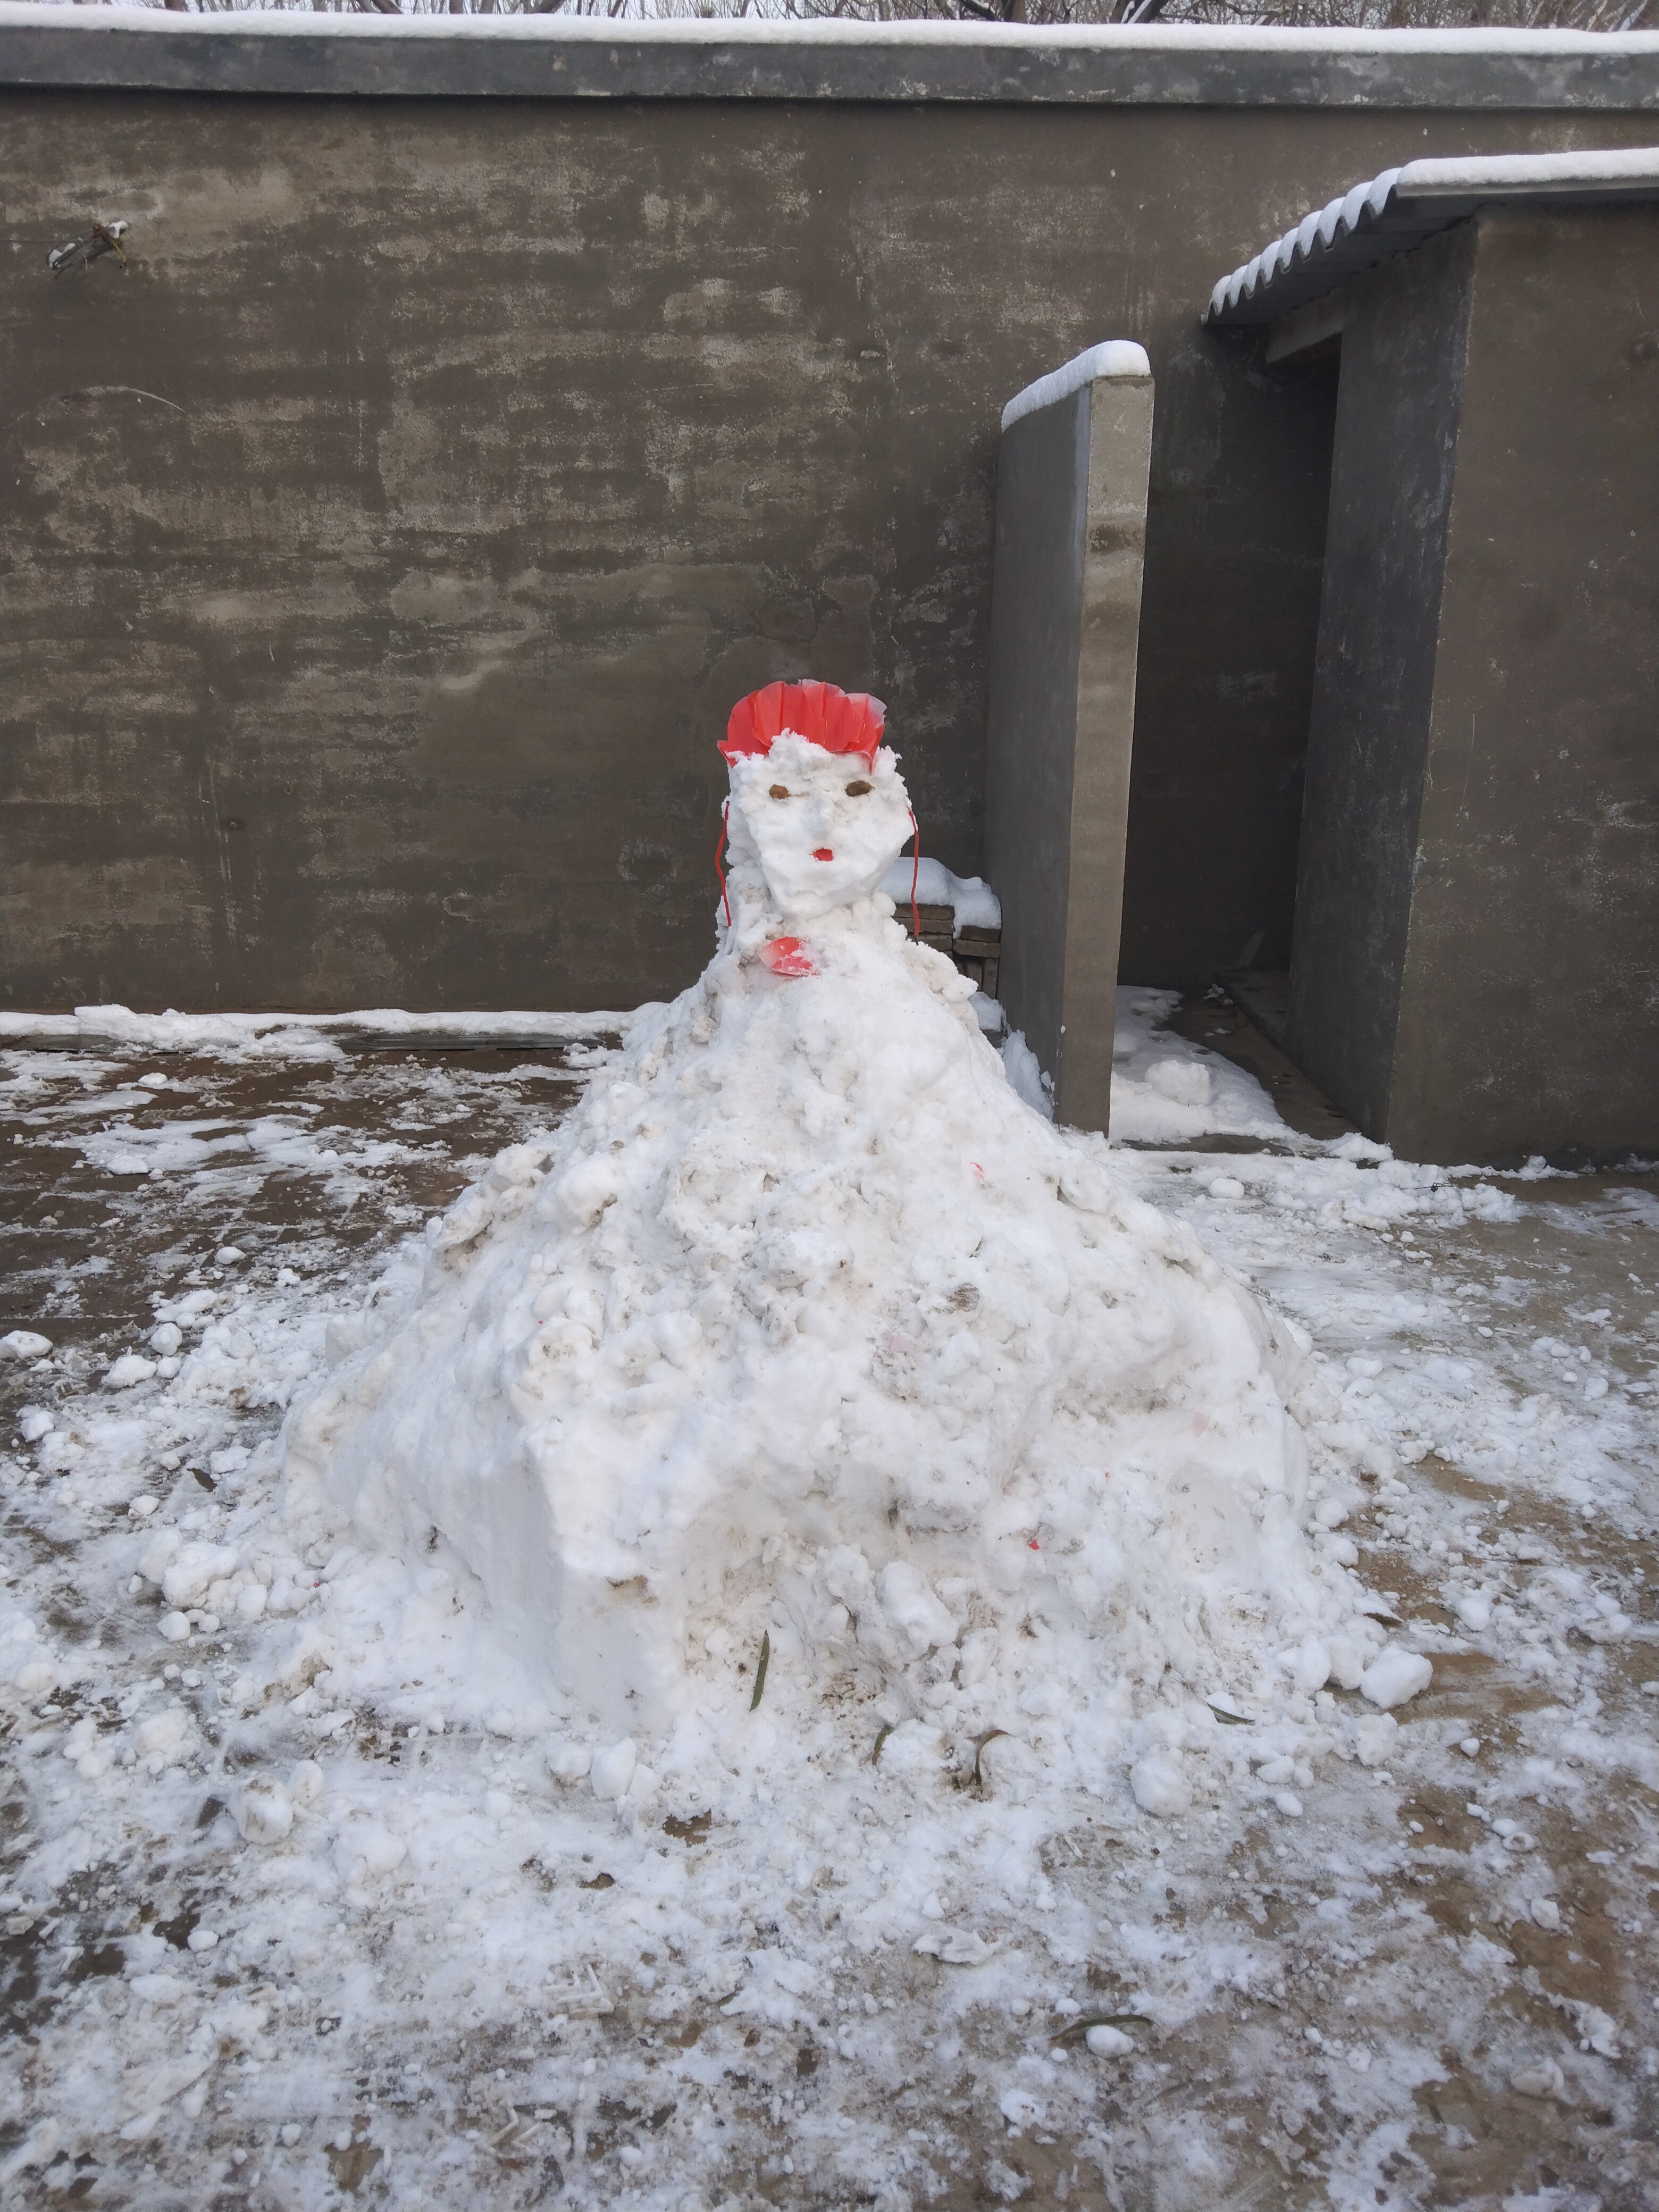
(823,853)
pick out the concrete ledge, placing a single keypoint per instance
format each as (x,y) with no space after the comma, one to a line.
(1071,478)
(128,49)
(1117,357)
(289,1035)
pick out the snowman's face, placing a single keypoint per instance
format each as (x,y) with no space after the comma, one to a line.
(825,826)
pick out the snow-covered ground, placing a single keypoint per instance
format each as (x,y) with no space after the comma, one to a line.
(271,1942)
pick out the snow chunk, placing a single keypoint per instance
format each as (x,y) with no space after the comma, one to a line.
(954,1946)
(1188,1082)
(1160,1784)
(263,1810)
(364,1850)
(24,1344)
(1026,1078)
(1544,2080)
(192,1570)
(132,1367)
(1115,357)
(913,1611)
(975,905)
(1374,1736)
(1109,2042)
(611,1769)
(1395,1677)
(1020,2108)
(780,1988)
(156,1556)
(161,1733)
(159,1989)
(568,1761)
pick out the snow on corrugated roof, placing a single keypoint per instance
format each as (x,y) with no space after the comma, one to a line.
(1404,206)
(1117,357)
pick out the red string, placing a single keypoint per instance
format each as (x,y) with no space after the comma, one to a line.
(719,871)
(915,876)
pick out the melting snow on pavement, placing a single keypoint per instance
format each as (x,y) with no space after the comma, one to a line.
(296,1905)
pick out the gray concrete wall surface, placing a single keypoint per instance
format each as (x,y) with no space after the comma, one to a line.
(384,548)
(1476,974)
(1530,999)
(1037,617)
(1397,415)
(1066,613)
(515,57)
(1121,417)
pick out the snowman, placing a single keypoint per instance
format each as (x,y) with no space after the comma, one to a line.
(820,809)
(803,1331)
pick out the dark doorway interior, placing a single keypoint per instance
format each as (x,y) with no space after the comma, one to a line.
(1223,699)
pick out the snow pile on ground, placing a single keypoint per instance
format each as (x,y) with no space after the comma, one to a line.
(806,1337)
(235,1036)
(1167,1091)
(278,1932)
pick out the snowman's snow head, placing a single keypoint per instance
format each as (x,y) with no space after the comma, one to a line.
(819,795)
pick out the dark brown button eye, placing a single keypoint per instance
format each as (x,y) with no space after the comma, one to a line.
(857,790)
(779,791)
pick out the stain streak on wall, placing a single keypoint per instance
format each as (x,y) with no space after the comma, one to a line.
(384,550)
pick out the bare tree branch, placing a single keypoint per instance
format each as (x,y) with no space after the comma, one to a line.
(1603,15)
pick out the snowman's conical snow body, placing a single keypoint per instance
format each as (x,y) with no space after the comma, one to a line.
(804,1319)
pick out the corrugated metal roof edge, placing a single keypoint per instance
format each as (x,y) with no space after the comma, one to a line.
(1402,207)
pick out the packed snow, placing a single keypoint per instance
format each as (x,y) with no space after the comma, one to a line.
(805,1331)
(1115,357)
(974,904)
(296,1908)
(1632,170)
(288,1036)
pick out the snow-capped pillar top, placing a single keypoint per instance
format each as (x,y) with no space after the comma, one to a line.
(839,722)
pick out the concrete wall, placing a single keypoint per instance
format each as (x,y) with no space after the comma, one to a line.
(1397,417)
(384,550)
(1071,521)
(1481,848)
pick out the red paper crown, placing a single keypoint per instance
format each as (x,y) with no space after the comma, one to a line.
(841,721)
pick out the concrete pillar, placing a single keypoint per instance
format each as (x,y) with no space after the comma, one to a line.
(1071,530)
(1477,921)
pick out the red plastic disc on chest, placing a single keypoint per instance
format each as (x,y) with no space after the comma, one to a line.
(787,956)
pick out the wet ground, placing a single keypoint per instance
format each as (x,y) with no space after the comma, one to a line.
(1220,1027)
(380,1139)
(1437,1989)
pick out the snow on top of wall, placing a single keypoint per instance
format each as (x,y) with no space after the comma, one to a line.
(1117,357)
(1472,176)
(1511,173)
(723,30)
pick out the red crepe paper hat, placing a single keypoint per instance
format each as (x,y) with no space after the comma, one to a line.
(841,721)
